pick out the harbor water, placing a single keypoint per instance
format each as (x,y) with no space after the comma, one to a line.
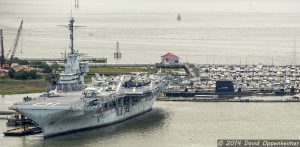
(177,124)
(210,31)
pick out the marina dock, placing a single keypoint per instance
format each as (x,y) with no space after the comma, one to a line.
(245,80)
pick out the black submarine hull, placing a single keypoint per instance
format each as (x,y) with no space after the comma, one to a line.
(220,94)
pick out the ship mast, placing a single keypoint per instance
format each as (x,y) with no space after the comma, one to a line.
(71,27)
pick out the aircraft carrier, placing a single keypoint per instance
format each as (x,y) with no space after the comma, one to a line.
(73,106)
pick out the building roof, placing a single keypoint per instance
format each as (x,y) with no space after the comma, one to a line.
(169,55)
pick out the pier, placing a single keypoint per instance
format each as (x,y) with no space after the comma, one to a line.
(157,65)
(121,65)
(7,112)
(88,59)
(189,70)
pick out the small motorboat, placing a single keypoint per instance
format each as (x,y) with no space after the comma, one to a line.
(22,131)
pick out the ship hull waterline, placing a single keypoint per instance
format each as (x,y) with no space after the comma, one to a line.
(71,124)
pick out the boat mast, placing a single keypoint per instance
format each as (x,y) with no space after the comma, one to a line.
(178,17)
(76,3)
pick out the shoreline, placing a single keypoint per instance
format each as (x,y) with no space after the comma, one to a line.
(11,86)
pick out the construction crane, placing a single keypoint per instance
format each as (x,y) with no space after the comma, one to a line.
(11,53)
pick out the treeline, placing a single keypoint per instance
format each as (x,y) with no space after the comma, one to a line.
(22,75)
(50,73)
(36,64)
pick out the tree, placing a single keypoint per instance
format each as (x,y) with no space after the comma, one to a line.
(47,69)
(11,73)
(23,62)
(21,75)
(55,68)
(24,75)
(53,76)
(32,74)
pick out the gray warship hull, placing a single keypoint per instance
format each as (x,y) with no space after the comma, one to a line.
(71,123)
(108,100)
(57,120)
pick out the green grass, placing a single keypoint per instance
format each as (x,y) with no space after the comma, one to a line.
(10,86)
(117,71)
(125,70)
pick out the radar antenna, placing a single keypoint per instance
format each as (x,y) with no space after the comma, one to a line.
(71,27)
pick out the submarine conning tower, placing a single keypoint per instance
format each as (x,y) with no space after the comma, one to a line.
(224,86)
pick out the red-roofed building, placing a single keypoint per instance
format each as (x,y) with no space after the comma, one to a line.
(169,58)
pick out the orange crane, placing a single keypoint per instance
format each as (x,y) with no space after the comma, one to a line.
(11,53)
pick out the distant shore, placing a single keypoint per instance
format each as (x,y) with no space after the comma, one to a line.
(10,86)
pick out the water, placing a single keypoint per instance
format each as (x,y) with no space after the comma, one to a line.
(177,124)
(211,31)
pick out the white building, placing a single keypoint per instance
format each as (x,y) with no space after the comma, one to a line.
(169,59)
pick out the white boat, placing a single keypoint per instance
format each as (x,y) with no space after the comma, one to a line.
(178,17)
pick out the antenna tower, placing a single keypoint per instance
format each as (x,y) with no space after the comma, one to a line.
(71,27)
